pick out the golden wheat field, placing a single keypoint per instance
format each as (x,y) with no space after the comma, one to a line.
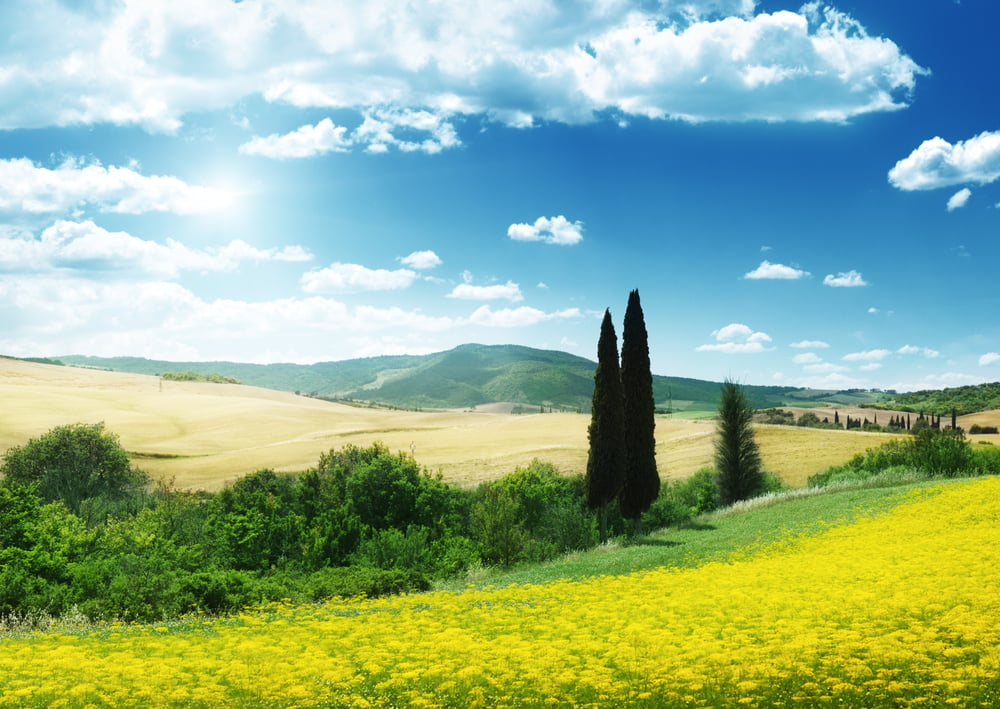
(205,435)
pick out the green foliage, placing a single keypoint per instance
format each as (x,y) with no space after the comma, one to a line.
(975,429)
(641,483)
(930,452)
(737,457)
(531,514)
(963,400)
(253,521)
(74,463)
(351,581)
(213,378)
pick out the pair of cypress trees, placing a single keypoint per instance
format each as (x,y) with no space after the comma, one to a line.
(622,460)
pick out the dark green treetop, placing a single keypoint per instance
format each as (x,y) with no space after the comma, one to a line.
(606,458)
(642,481)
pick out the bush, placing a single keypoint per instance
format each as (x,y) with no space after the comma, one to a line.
(350,581)
(977,429)
(74,463)
(930,451)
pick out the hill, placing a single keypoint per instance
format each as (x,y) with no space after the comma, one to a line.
(204,435)
(467,376)
(940,402)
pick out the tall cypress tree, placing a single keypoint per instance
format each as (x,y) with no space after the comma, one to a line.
(642,482)
(606,458)
(737,457)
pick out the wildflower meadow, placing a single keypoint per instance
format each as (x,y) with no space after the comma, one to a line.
(894,609)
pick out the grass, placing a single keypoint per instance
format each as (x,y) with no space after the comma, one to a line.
(715,537)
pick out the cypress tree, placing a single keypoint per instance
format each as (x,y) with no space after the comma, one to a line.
(606,457)
(737,457)
(642,482)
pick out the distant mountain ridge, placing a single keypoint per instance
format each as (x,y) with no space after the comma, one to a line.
(467,376)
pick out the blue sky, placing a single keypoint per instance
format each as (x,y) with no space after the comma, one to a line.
(803,194)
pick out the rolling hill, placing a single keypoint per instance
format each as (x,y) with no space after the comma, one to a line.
(467,376)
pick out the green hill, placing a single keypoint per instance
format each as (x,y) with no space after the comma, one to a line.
(941,402)
(469,375)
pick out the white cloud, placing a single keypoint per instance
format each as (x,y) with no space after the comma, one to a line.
(825,368)
(84,247)
(937,163)
(406,130)
(508,291)
(989,358)
(517,317)
(810,345)
(848,279)
(421,260)
(737,338)
(925,351)
(352,277)
(870,366)
(165,320)
(959,199)
(554,230)
(807,358)
(306,142)
(867,356)
(151,64)
(777,271)
(27,188)
(873,310)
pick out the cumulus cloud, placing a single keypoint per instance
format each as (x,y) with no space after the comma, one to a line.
(554,230)
(936,163)
(825,368)
(151,64)
(807,358)
(166,320)
(959,199)
(28,188)
(925,351)
(989,358)
(867,356)
(737,338)
(810,345)
(352,278)
(776,271)
(845,279)
(508,291)
(307,141)
(517,317)
(421,260)
(84,247)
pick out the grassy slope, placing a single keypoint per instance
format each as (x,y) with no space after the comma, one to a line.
(469,375)
(715,537)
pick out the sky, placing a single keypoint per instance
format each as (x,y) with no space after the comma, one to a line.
(803,194)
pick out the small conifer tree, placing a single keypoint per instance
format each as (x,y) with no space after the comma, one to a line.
(737,458)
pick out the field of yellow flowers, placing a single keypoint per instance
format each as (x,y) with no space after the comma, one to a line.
(897,609)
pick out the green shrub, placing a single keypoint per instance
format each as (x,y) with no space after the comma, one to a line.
(350,581)
(74,463)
